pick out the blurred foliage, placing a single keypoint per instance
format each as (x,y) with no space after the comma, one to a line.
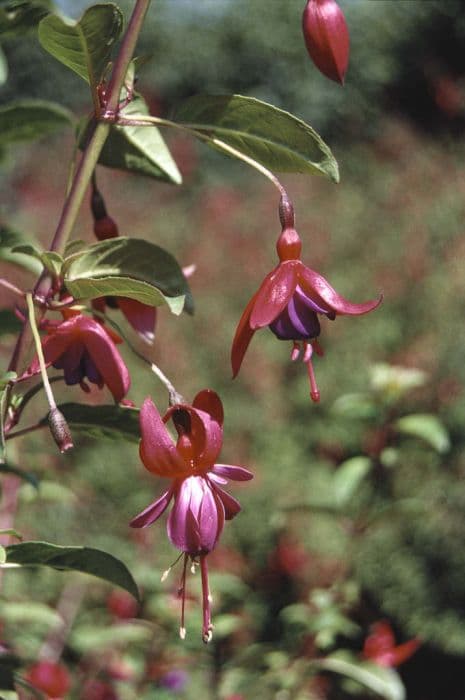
(354,515)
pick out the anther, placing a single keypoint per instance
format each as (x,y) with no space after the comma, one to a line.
(295,351)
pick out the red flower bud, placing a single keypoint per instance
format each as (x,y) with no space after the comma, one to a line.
(327,38)
(49,677)
(105,228)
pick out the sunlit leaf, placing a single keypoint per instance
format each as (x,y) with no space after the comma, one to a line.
(127,267)
(85,45)
(3,68)
(110,421)
(90,638)
(355,405)
(50,260)
(269,135)
(84,559)
(27,120)
(29,612)
(138,149)
(427,427)
(385,682)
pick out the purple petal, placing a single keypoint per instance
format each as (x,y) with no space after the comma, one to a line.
(231,505)
(230,471)
(197,517)
(153,511)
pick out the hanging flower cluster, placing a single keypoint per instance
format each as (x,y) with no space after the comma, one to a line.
(290,300)
(200,504)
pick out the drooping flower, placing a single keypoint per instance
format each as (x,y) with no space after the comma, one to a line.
(51,677)
(83,348)
(380,646)
(289,301)
(200,504)
(326,37)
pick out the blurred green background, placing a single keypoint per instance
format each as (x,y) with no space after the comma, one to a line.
(321,550)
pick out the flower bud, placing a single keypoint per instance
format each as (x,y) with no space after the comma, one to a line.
(327,38)
(60,430)
(105,228)
(50,677)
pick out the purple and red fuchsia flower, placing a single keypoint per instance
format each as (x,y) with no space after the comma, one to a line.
(289,301)
(84,348)
(200,505)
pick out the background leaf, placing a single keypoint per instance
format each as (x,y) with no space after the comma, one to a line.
(84,46)
(84,559)
(27,120)
(348,477)
(128,267)
(385,682)
(9,323)
(18,16)
(269,135)
(10,239)
(138,149)
(426,427)
(102,421)
(7,468)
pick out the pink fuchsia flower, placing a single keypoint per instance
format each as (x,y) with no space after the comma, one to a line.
(289,301)
(380,646)
(83,348)
(200,505)
(327,38)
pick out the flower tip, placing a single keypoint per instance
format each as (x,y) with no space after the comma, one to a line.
(315,396)
(182,633)
(207,636)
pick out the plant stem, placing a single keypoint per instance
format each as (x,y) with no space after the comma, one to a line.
(25,431)
(11,288)
(125,54)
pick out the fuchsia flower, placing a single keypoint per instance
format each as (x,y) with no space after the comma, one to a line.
(327,38)
(200,504)
(289,301)
(83,348)
(380,646)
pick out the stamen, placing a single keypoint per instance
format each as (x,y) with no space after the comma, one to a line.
(308,352)
(314,391)
(317,347)
(295,351)
(182,629)
(166,573)
(207,626)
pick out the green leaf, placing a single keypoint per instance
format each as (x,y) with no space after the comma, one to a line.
(84,559)
(274,138)
(30,612)
(127,267)
(88,638)
(427,427)
(356,405)
(30,478)
(348,478)
(27,120)
(109,422)
(50,260)
(17,16)
(10,239)
(138,149)
(385,682)
(85,45)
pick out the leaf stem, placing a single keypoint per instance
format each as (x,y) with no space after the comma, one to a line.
(143,120)
(25,431)
(11,288)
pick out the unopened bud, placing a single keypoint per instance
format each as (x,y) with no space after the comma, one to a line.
(105,228)
(60,430)
(97,205)
(327,38)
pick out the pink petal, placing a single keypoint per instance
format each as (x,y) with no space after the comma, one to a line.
(230,471)
(274,294)
(157,450)
(312,282)
(141,317)
(106,357)
(205,432)
(242,337)
(53,346)
(231,505)
(153,511)
(209,402)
